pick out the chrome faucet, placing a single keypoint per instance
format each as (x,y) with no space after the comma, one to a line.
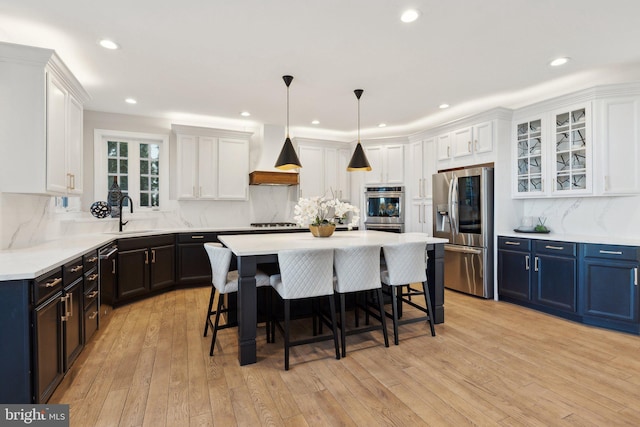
(120,213)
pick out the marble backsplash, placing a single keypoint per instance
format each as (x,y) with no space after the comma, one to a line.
(27,220)
(593,216)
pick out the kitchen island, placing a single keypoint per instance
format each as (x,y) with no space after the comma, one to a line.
(254,249)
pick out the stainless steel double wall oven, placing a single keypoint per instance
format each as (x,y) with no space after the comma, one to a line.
(384,209)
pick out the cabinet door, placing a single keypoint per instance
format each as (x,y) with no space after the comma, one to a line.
(620,148)
(56,136)
(73,335)
(207,172)
(513,275)
(394,168)
(571,157)
(133,273)
(312,172)
(610,289)
(193,264)
(444,146)
(74,146)
(376,175)
(162,266)
(462,144)
(415,181)
(528,154)
(331,172)
(187,167)
(233,169)
(428,166)
(344,181)
(483,137)
(555,282)
(48,361)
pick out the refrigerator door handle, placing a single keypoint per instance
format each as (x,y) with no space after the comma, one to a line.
(453,205)
(462,249)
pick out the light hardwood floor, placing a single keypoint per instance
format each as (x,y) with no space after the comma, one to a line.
(491,363)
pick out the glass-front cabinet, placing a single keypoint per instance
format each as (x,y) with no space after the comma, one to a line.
(529,157)
(552,154)
(571,172)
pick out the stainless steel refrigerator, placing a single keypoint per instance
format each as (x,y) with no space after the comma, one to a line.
(463,213)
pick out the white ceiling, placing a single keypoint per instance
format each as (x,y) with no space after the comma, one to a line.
(211,59)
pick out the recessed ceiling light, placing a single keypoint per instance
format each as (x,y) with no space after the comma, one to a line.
(409,15)
(315,122)
(130,101)
(559,61)
(443,106)
(381,125)
(109,44)
(245,114)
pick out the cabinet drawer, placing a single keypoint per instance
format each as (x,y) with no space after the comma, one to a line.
(47,285)
(72,270)
(555,248)
(628,253)
(514,244)
(91,280)
(90,260)
(197,237)
(90,296)
(145,242)
(90,320)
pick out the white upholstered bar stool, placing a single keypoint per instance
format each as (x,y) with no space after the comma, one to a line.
(224,282)
(406,264)
(305,273)
(357,270)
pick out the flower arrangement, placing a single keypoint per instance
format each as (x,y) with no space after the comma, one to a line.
(322,211)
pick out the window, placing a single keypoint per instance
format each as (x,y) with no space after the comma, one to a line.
(136,162)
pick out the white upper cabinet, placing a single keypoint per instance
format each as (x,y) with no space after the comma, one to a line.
(619,152)
(387,164)
(212,164)
(467,145)
(423,166)
(41,134)
(324,169)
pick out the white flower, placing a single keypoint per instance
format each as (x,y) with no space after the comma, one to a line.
(318,210)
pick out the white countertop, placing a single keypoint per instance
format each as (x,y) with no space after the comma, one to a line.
(31,262)
(267,244)
(576,238)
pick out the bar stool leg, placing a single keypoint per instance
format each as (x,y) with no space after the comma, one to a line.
(427,297)
(287,324)
(208,319)
(383,318)
(332,306)
(394,308)
(343,334)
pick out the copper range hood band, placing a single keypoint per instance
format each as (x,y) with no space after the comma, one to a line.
(273,178)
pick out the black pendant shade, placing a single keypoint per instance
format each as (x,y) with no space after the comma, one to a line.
(288,159)
(358,160)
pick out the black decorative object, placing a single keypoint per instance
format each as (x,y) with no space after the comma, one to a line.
(358,160)
(115,194)
(100,209)
(288,159)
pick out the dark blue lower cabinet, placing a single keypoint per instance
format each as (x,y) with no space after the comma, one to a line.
(610,287)
(514,275)
(555,270)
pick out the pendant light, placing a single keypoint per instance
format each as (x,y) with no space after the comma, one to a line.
(359,160)
(288,159)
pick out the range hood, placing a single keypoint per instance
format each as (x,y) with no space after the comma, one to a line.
(273,178)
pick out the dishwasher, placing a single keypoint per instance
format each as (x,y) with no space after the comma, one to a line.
(107,272)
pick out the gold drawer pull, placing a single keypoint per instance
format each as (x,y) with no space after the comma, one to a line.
(76,268)
(53,283)
(93,315)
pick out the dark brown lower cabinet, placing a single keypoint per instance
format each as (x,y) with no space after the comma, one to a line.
(48,348)
(145,264)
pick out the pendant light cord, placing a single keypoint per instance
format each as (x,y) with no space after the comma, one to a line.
(287,111)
